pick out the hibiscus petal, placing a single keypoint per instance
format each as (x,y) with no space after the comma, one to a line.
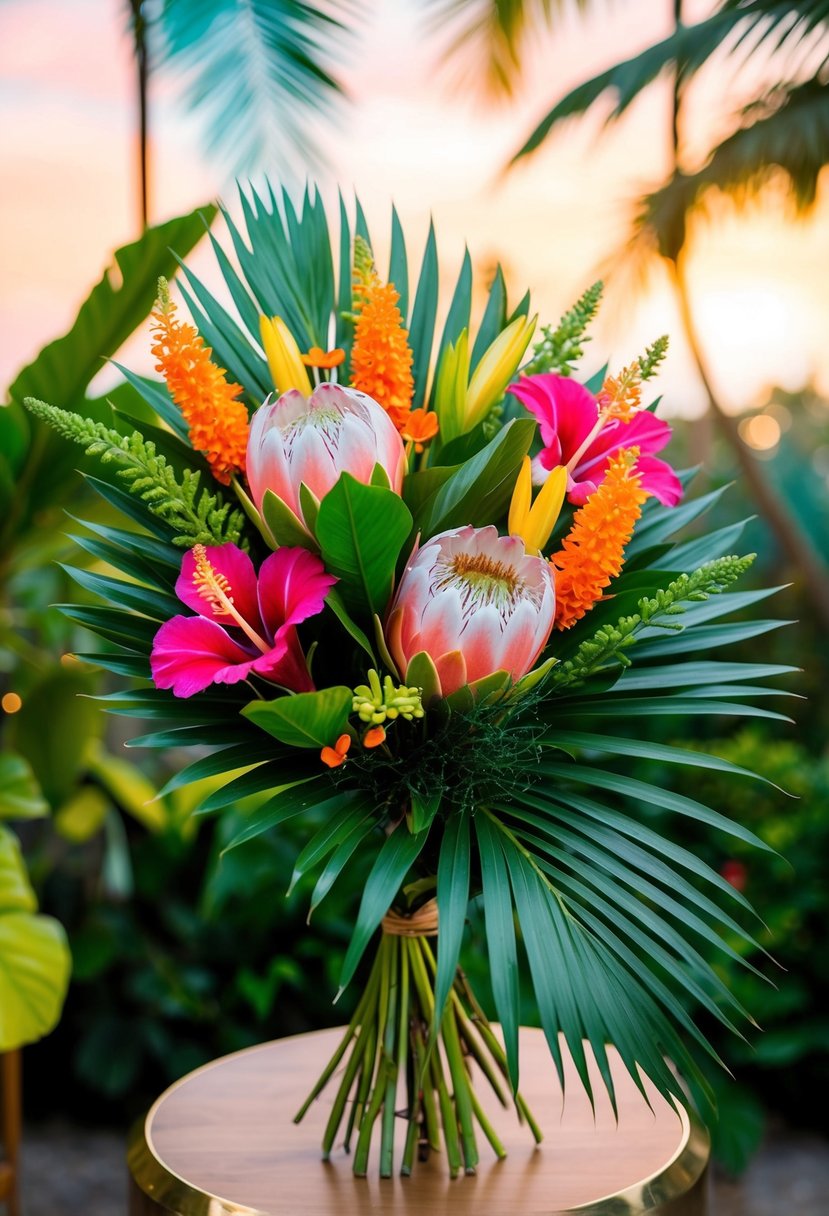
(230,562)
(293,584)
(659,479)
(285,663)
(190,653)
(565,410)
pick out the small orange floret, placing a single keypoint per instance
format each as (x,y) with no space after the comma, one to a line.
(374,736)
(419,428)
(621,396)
(594,549)
(324,359)
(216,420)
(381,359)
(335,756)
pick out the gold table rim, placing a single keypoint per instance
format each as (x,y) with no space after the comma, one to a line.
(676,1179)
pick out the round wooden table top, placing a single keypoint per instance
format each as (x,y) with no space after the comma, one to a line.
(222,1142)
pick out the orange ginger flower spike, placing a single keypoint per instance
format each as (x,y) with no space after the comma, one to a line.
(216,420)
(594,549)
(621,396)
(381,358)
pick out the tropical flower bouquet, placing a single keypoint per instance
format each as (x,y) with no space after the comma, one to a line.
(426,596)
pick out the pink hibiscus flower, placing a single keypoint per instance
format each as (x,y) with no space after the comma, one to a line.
(244,626)
(577,433)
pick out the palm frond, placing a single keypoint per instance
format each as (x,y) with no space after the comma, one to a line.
(485,37)
(259,71)
(785,136)
(738,28)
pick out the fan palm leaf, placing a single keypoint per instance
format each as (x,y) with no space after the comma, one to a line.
(738,27)
(259,71)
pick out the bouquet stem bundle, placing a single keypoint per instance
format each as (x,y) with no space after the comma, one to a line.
(391,1038)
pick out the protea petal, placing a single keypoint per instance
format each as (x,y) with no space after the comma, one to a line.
(476,603)
(315,439)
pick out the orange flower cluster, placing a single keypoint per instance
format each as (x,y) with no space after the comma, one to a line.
(594,549)
(621,395)
(217,422)
(381,359)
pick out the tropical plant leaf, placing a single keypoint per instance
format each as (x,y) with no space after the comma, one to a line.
(34,956)
(479,490)
(307,719)
(500,938)
(361,530)
(20,794)
(259,72)
(454,866)
(399,852)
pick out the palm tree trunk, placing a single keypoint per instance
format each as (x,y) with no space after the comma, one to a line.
(790,536)
(139,33)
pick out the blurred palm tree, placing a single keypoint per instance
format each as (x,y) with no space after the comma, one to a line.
(781,134)
(259,72)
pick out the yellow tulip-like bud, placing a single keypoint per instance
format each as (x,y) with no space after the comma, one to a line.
(534,521)
(495,370)
(451,388)
(284,356)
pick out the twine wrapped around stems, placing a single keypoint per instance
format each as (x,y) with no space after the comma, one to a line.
(421,923)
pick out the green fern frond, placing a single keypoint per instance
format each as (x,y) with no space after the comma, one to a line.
(608,644)
(194,514)
(560,347)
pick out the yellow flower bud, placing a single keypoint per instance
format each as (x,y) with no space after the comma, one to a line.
(284,356)
(534,521)
(495,370)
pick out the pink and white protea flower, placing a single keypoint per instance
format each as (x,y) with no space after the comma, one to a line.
(245,626)
(582,436)
(314,439)
(476,603)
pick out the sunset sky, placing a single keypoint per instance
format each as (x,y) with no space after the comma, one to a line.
(414,134)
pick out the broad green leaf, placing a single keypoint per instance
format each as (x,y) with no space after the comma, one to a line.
(54,730)
(283,525)
(62,370)
(34,973)
(453,897)
(335,602)
(399,852)
(83,814)
(500,937)
(34,958)
(16,894)
(479,491)
(20,795)
(130,789)
(361,530)
(111,312)
(307,719)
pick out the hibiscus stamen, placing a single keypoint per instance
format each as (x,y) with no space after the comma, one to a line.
(216,590)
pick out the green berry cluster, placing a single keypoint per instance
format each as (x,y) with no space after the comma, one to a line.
(375,703)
